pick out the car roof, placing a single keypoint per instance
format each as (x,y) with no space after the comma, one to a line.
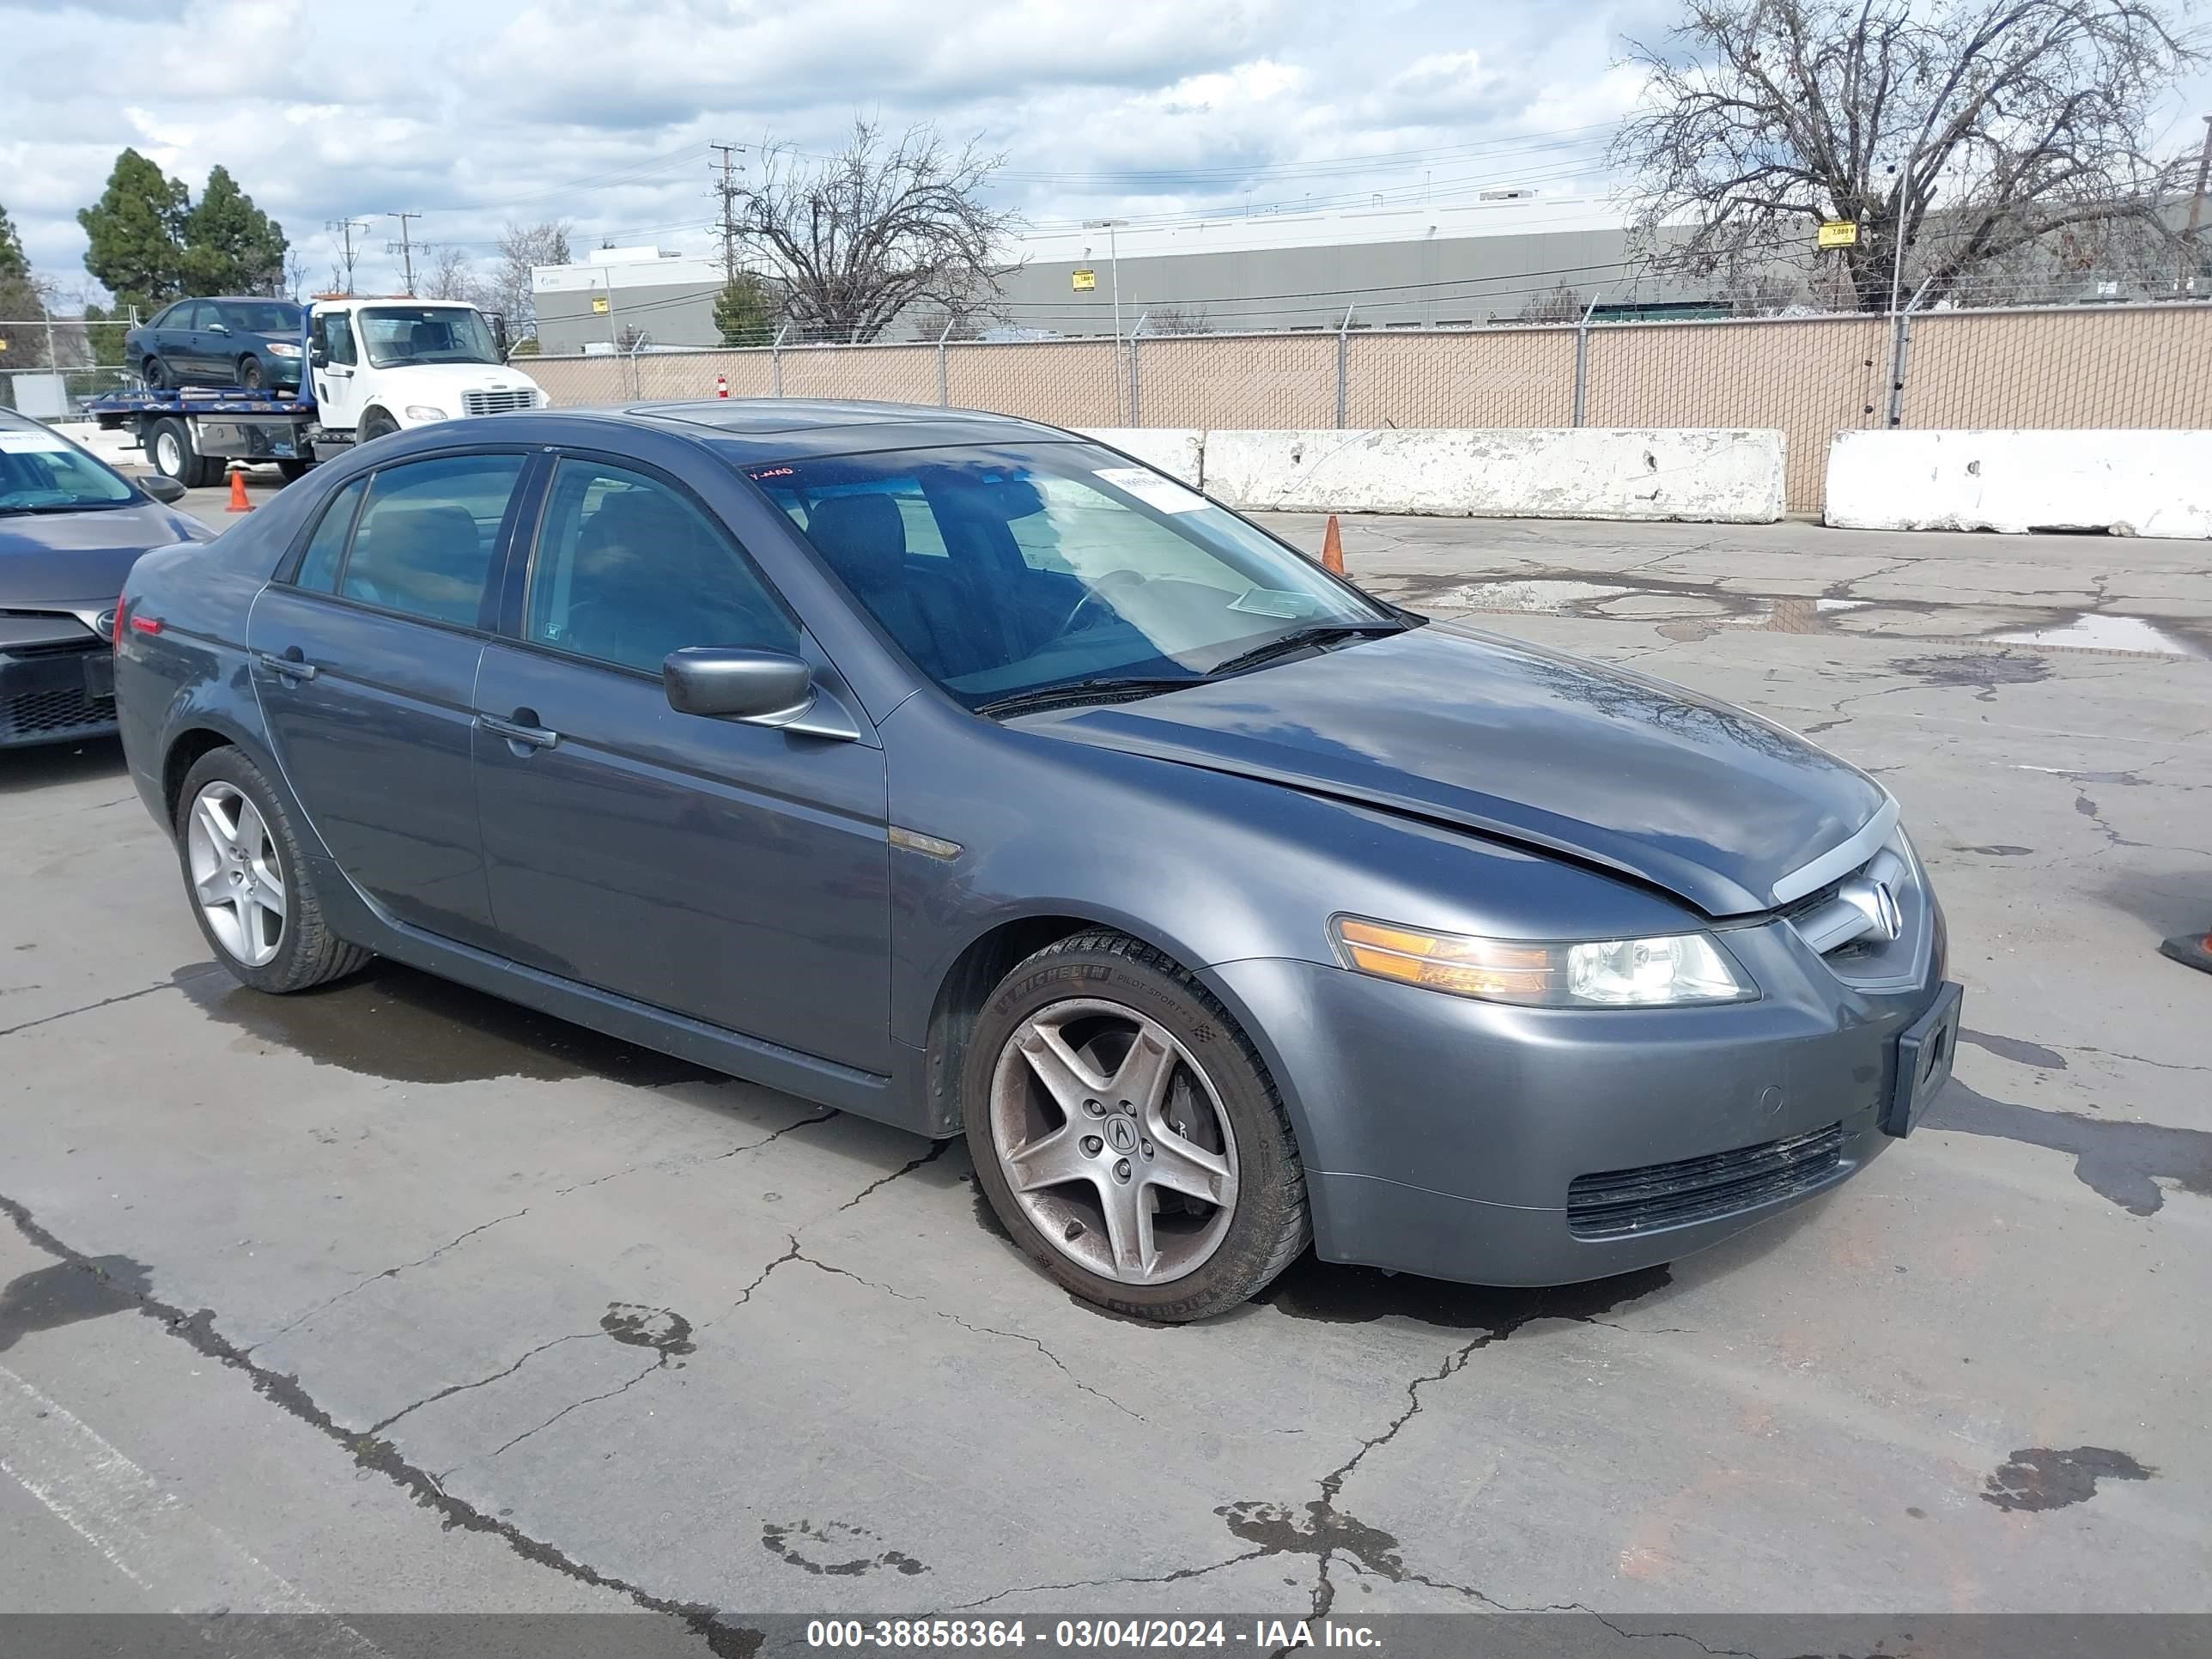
(768,429)
(243,299)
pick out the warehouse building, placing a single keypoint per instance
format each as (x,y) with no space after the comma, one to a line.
(624,298)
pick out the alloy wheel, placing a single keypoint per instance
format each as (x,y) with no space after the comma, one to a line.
(1113,1142)
(237,877)
(169,455)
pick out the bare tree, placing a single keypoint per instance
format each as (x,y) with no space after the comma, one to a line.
(857,238)
(1979,128)
(451,276)
(1178,319)
(1559,304)
(522,248)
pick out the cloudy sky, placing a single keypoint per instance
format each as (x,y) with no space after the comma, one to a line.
(475,112)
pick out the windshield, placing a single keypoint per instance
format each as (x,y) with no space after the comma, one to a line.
(40,472)
(271,319)
(1007,571)
(401,334)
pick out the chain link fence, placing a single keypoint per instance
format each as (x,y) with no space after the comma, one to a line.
(2101,365)
(50,366)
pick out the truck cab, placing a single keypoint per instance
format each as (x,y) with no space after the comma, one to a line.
(382,365)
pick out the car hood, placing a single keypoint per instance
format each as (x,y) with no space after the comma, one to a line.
(1705,800)
(67,558)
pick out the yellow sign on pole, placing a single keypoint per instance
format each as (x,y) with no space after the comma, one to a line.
(1839,233)
(1086,280)
(599,305)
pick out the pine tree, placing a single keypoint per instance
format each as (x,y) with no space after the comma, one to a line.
(19,302)
(744,311)
(133,231)
(230,246)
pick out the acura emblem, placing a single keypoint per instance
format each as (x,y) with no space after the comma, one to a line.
(1888,920)
(1121,1132)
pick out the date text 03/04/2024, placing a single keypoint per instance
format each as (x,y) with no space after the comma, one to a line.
(1271,1634)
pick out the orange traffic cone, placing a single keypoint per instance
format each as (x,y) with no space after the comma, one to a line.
(1331,547)
(721,385)
(238,501)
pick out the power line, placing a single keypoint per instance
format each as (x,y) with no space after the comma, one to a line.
(344,229)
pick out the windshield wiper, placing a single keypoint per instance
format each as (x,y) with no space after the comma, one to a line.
(1105,688)
(1298,639)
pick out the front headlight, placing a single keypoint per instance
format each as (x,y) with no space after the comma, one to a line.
(283,348)
(424,412)
(1668,971)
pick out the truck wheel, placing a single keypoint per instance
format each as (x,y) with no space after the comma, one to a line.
(151,372)
(374,425)
(174,456)
(249,373)
(293,471)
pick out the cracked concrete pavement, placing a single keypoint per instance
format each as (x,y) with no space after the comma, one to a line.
(396,1298)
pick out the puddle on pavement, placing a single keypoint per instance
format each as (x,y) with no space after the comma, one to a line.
(1337,1295)
(2101,633)
(1691,613)
(393,1023)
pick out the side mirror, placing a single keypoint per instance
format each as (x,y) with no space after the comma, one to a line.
(501,347)
(745,685)
(218,328)
(163,489)
(317,357)
(761,688)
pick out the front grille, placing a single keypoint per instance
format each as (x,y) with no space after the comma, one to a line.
(1622,1201)
(496,403)
(55,713)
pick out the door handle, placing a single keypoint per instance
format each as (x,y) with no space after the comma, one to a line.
(291,665)
(534,737)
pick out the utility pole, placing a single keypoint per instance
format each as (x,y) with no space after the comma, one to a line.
(1114,263)
(404,248)
(728,190)
(344,229)
(2191,261)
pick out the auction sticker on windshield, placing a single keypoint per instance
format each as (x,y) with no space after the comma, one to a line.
(31,443)
(1152,490)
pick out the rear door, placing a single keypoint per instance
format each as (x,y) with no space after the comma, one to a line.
(184,340)
(735,873)
(365,662)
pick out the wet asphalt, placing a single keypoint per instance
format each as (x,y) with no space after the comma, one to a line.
(393,1298)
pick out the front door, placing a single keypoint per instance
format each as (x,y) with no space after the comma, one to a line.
(364,664)
(735,873)
(335,369)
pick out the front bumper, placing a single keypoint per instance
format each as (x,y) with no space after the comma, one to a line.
(56,695)
(1505,1145)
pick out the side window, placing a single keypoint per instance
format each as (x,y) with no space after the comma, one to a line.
(629,570)
(427,532)
(168,318)
(334,334)
(193,313)
(319,565)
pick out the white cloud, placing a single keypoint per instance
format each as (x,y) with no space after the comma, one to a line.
(601,114)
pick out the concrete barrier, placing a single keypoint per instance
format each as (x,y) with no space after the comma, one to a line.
(2136,482)
(1706,475)
(1179,452)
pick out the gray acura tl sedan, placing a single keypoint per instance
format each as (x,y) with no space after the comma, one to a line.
(959,772)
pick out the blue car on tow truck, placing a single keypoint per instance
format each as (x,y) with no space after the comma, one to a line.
(374,364)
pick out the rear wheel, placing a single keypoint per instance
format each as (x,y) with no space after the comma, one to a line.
(169,446)
(248,882)
(151,372)
(1128,1134)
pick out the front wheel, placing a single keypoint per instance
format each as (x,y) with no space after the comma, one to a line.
(249,373)
(248,881)
(1128,1134)
(374,425)
(155,377)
